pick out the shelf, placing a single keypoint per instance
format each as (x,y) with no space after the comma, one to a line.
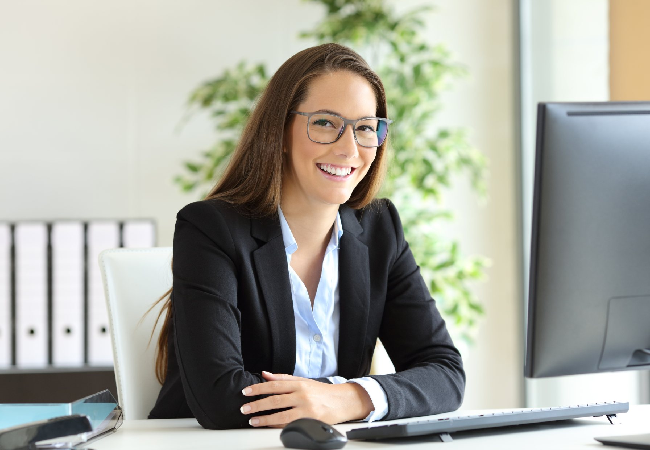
(54,385)
(52,369)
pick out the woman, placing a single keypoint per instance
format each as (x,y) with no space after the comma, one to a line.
(289,271)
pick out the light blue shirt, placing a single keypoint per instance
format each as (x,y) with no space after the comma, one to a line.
(317,330)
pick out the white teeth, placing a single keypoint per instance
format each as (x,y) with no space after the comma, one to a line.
(338,171)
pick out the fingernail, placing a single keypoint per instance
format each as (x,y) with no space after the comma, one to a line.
(244,409)
(254,421)
(246,391)
(268,373)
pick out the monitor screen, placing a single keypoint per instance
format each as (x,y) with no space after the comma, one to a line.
(589,288)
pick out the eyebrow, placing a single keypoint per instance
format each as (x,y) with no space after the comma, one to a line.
(329,111)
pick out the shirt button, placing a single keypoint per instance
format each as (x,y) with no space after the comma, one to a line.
(317,337)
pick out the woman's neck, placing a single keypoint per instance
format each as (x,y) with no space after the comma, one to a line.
(310,225)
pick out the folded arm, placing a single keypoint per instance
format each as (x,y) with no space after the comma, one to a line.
(207,321)
(429,376)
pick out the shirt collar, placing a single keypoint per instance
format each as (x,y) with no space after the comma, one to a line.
(290,244)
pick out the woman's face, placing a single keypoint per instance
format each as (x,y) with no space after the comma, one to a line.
(306,176)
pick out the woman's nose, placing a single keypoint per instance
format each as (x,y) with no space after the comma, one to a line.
(347,145)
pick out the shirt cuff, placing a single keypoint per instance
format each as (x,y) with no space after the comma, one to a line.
(377,396)
(337,380)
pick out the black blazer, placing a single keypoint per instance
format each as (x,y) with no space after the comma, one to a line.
(233,315)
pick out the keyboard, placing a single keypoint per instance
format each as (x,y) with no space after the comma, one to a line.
(447,425)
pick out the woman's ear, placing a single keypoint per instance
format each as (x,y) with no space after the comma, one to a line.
(286,136)
(285,144)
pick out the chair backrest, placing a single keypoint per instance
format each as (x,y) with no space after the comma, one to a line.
(133,280)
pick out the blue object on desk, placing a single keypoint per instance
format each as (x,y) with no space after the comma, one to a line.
(13,414)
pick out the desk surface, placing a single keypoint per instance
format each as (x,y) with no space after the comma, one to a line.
(181,434)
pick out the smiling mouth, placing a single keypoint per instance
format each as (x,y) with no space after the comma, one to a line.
(336,171)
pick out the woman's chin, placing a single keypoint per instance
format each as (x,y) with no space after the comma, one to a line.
(337,199)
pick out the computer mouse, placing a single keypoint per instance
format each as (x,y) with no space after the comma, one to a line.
(311,434)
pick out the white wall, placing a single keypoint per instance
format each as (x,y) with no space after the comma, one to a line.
(91,94)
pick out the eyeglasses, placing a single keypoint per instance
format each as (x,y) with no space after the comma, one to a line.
(327,128)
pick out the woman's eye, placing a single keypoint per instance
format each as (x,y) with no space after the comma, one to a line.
(366,128)
(323,123)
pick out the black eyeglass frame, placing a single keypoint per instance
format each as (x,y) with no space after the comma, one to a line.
(346,122)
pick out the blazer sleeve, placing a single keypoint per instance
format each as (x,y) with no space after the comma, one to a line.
(429,376)
(207,320)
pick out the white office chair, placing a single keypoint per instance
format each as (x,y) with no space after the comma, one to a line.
(133,280)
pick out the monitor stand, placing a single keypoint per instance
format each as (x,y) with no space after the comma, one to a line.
(631,441)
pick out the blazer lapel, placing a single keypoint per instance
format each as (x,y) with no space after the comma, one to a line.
(273,275)
(354,295)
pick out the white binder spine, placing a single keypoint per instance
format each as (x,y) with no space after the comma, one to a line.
(138,234)
(5,296)
(31,294)
(67,293)
(102,235)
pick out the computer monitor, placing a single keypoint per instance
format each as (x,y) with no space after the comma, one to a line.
(589,285)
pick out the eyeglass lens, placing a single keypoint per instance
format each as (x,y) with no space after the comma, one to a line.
(325,129)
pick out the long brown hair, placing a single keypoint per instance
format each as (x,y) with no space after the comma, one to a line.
(253,178)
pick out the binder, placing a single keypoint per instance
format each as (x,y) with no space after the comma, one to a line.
(5,296)
(26,436)
(138,234)
(63,425)
(52,305)
(67,293)
(102,235)
(31,243)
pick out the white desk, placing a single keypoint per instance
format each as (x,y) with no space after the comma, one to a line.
(182,434)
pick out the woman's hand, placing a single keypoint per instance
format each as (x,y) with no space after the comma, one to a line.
(331,403)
